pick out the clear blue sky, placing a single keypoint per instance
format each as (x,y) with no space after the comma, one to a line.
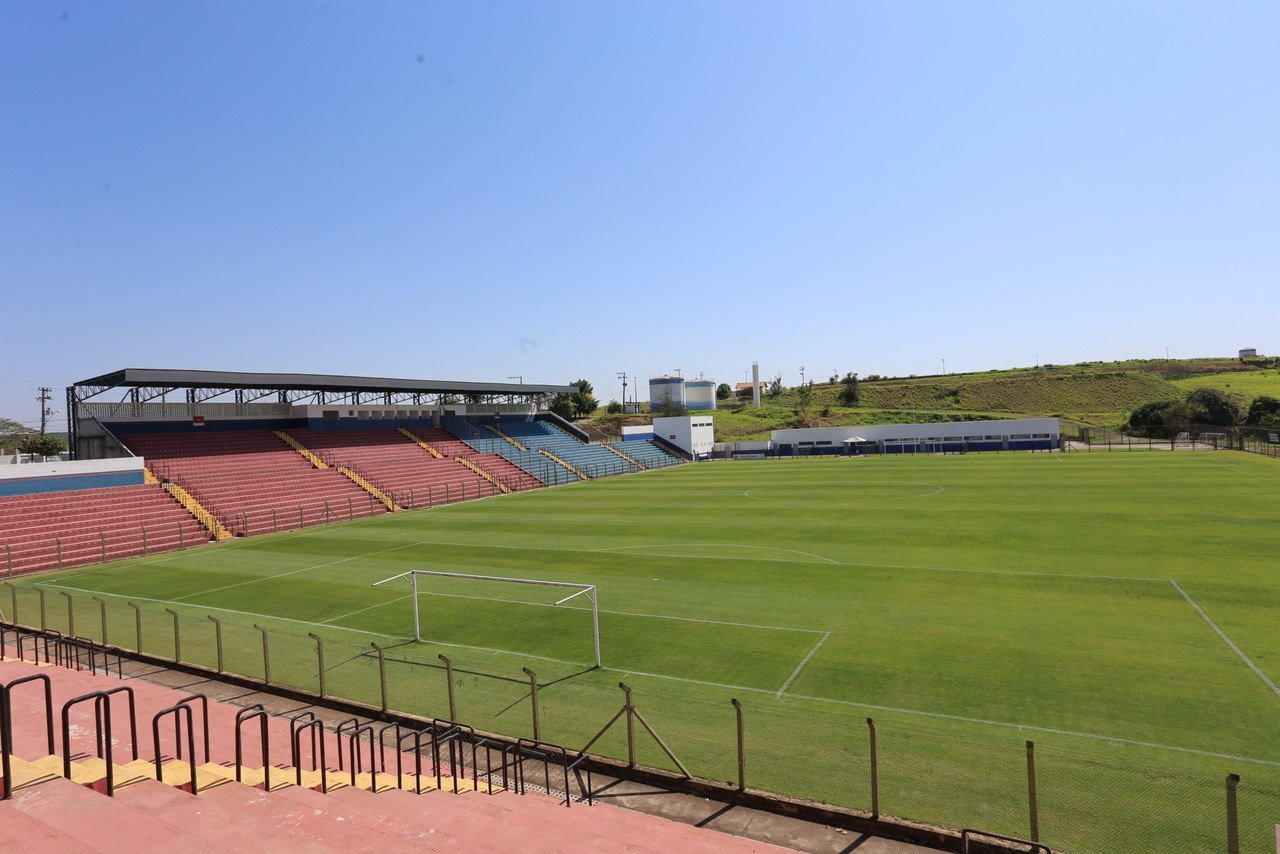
(554,190)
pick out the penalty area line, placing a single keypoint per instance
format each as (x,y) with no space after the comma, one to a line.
(1226,639)
(799,667)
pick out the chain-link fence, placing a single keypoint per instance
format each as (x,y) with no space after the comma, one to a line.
(1210,437)
(1075,795)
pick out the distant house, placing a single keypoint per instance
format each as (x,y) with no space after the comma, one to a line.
(1248,353)
(764,386)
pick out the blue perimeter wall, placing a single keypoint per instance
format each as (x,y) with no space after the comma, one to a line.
(67,483)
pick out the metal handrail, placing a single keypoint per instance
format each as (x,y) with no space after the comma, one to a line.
(314,724)
(254,711)
(356,765)
(204,714)
(102,735)
(454,735)
(177,711)
(7,691)
(382,747)
(294,726)
(416,735)
(354,723)
(546,752)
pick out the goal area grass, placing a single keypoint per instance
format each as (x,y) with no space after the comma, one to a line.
(1118,610)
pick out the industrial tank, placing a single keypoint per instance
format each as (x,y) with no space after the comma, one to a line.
(663,389)
(700,394)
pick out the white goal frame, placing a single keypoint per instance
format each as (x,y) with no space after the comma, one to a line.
(589,590)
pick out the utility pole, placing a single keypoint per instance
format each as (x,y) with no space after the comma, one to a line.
(802,375)
(45,411)
(622,375)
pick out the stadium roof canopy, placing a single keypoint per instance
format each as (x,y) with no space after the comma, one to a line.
(143,384)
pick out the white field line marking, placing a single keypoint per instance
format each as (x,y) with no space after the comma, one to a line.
(584,608)
(219,549)
(362,610)
(1224,637)
(1258,475)
(741,688)
(296,571)
(800,666)
(625,549)
(937,490)
(784,560)
(192,607)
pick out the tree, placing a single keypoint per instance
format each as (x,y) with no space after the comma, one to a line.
(562,405)
(668,408)
(849,394)
(805,397)
(775,386)
(44,446)
(584,402)
(614,407)
(1214,407)
(723,392)
(1264,411)
(1149,415)
(12,432)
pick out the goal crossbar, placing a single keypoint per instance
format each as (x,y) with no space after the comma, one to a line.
(589,590)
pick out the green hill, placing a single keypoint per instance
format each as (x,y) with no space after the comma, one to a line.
(1094,393)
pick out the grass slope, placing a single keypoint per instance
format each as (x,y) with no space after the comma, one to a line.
(966,603)
(1093,393)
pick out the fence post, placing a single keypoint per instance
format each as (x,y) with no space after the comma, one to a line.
(102,607)
(181,540)
(631,727)
(266,656)
(742,752)
(13,591)
(71,614)
(301,521)
(177,644)
(137,622)
(382,673)
(533,692)
(875,771)
(58,540)
(448,673)
(8,555)
(1032,805)
(144,540)
(102,541)
(275,528)
(43,621)
(319,657)
(1233,824)
(217,638)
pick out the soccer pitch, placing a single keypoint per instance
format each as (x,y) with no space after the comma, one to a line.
(1118,609)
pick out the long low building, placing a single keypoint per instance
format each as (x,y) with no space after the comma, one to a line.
(1020,434)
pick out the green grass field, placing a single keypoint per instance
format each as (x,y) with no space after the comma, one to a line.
(1117,609)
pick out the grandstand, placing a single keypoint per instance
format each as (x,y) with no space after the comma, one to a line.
(250,454)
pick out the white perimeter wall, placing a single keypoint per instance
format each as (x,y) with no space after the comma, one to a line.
(68,468)
(693,434)
(937,431)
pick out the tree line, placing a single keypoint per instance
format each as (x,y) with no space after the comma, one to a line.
(1204,406)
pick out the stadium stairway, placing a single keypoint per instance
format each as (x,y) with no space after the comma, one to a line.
(49,813)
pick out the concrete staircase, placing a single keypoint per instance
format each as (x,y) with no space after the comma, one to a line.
(49,813)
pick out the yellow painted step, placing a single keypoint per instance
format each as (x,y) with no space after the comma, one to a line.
(300,448)
(33,773)
(502,487)
(281,778)
(633,461)
(571,468)
(424,445)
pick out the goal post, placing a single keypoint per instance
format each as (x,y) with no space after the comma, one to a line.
(588,590)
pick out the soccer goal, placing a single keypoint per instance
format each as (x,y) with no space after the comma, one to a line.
(1183,440)
(419,580)
(1213,440)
